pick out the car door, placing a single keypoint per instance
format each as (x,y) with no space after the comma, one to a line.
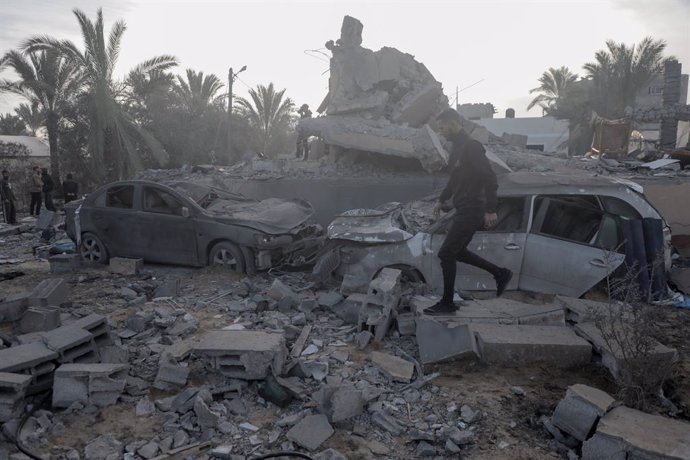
(502,245)
(571,246)
(112,217)
(163,232)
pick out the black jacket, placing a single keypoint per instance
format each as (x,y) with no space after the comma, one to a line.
(472,182)
(47,183)
(6,192)
(70,188)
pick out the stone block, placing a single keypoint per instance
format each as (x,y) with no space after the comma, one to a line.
(353,285)
(630,434)
(99,384)
(72,344)
(311,432)
(348,309)
(14,307)
(579,411)
(329,299)
(406,324)
(515,344)
(612,357)
(127,267)
(170,288)
(438,340)
(171,376)
(385,289)
(23,358)
(248,355)
(395,368)
(37,319)
(65,263)
(97,325)
(51,292)
(13,388)
(339,402)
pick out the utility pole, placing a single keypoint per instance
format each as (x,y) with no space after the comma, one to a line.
(231,80)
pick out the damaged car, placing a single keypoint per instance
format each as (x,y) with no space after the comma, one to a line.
(190,224)
(559,234)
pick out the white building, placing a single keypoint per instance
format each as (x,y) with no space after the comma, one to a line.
(546,134)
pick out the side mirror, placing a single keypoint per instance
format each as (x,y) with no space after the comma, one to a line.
(185,211)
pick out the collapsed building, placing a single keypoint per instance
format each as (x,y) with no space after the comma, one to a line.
(379,101)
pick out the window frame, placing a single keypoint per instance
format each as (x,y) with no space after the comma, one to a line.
(159,190)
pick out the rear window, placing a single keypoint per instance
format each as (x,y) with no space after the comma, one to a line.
(120,196)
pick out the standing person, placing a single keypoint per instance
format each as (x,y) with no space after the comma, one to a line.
(303,139)
(70,188)
(36,189)
(9,202)
(472,186)
(48,187)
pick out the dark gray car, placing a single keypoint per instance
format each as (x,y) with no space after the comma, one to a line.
(190,224)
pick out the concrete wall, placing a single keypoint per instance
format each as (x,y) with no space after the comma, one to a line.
(546,131)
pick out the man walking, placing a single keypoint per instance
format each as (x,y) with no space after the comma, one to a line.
(472,185)
(9,203)
(48,187)
(36,189)
(70,189)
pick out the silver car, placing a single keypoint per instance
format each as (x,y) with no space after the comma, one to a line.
(559,234)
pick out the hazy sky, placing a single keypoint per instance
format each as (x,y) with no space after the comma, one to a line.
(504,45)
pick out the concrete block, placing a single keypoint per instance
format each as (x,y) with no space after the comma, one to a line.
(171,376)
(65,263)
(353,285)
(386,422)
(248,355)
(630,434)
(612,357)
(311,432)
(515,344)
(579,411)
(582,310)
(376,319)
(99,384)
(51,292)
(385,289)
(329,299)
(348,309)
(438,340)
(22,358)
(72,344)
(395,368)
(13,388)
(127,267)
(39,319)
(279,290)
(339,402)
(114,354)
(97,325)
(170,288)
(406,324)
(14,307)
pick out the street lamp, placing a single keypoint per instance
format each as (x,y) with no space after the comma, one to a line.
(231,79)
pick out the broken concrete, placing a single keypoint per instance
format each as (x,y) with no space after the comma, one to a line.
(311,432)
(127,267)
(65,263)
(515,344)
(98,384)
(397,369)
(579,411)
(380,307)
(438,340)
(39,319)
(628,433)
(52,292)
(13,307)
(12,391)
(248,355)
(339,402)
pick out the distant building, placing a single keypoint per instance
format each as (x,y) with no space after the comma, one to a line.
(24,147)
(476,111)
(546,134)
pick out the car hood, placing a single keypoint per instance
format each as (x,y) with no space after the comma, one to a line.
(273,215)
(369,226)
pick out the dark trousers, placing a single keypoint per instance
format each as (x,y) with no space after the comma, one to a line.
(454,249)
(9,211)
(48,199)
(70,197)
(35,206)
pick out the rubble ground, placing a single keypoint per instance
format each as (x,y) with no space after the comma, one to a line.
(470,409)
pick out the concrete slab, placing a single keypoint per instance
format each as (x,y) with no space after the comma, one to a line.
(99,384)
(13,307)
(97,325)
(339,402)
(39,319)
(440,340)
(611,355)
(127,267)
(395,368)
(51,292)
(311,432)
(65,263)
(579,411)
(515,344)
(637,435)
(248,355)
(24,357)
(581,310)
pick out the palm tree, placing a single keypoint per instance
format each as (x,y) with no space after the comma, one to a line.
(268,111)
(12,125)
(621,71)
(32,116)
(554,85)
(198,91)
(48,80)
(112,140)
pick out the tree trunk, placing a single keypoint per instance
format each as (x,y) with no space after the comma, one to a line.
(52,127)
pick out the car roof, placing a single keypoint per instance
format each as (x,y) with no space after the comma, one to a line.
(558,183)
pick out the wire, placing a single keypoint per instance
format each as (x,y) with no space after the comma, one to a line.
(282,454)
(242,81)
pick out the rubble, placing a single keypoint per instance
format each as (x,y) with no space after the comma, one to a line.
(395,368)
(98,384)
(580,410)
(126,267)
(380,307)
(311,432)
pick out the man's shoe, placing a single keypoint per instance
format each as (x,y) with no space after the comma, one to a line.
(441,308)
(502,280)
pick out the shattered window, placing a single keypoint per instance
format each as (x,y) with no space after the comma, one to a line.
(161,202)
(120,196)
(619,207)
(571,219)
(510,213)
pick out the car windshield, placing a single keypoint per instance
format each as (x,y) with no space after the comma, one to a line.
(204,195)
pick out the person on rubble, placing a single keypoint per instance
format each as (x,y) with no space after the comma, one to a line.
(9,202)
(302,139)
(36,191)
(48,187)
(70,188)
(472,186)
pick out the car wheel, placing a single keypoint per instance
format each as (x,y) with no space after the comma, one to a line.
(410,275)
(92,249)
(228,255)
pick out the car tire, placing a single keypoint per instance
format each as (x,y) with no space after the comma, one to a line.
(410,275)
(92,249)
(228,255)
